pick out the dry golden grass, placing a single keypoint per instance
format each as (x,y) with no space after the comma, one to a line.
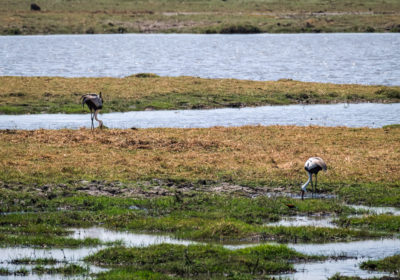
(131,87)
(273,154)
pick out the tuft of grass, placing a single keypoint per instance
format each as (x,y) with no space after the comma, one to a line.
(44,261)
(5,271)
(144,75)
(21,272)
(132,274)
(46,241)
(388,223)
(70,269)
(389,264)
(391,126)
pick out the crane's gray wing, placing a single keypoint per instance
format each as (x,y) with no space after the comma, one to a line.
(315,162)
(93,98)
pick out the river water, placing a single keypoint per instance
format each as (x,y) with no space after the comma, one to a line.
(337,58)
(350,115)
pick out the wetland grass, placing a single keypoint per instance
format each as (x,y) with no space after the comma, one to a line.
(69,269)
(22,95)
(201,260)
(213,16)
(389,264)
(196,217)
(39,261)
(388,223)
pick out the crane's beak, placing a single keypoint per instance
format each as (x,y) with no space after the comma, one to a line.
(302,195)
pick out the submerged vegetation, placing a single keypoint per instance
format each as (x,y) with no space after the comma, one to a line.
(21,95)
(193,16)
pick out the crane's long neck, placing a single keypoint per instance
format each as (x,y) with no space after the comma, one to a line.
(303,187)
(95,116)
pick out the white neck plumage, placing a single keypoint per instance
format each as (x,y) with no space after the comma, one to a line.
(303,187)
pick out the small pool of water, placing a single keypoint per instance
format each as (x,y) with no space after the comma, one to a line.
(350,115)
(129,239)
(298,221)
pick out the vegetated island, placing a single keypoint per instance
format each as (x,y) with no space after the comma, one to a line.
(212,16)
(23,95)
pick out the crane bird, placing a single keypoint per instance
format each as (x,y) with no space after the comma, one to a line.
(313,165)
(95,104)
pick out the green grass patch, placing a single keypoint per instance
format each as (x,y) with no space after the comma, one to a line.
(388,223)
(132,274)
(5,271)
(70,269)
(389,264)
(370,194)
(43,261)
(201,259)
(46,241)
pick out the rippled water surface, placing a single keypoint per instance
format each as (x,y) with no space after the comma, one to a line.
(336,58)
(353,115)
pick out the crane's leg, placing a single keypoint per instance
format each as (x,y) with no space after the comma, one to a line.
(99,121)
(92,117)
(316,178)
(312,186)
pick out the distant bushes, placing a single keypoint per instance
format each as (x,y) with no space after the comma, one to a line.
(235,29)
(144,75)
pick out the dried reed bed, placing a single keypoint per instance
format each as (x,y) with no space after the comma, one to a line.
(245,154)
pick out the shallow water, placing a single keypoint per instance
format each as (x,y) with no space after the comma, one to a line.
(298,221)
(337,58)
(130,239)
(359,251)
(350,115)
(377,210)
(68,255)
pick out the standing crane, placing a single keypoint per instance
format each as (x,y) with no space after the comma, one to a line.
(95,104)
(313,165)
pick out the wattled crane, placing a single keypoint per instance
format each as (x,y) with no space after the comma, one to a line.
(313,165)
(95,104)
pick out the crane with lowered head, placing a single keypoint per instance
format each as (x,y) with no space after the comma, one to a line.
(95,104)
(313,165)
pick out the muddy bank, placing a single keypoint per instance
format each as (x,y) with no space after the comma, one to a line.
(156,188)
